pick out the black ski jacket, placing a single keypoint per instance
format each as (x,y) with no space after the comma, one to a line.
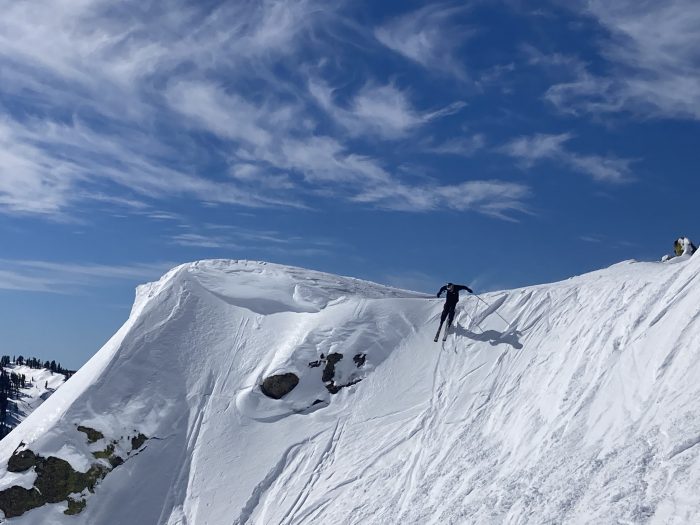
(453,296)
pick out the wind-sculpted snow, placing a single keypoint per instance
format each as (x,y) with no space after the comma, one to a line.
(565,403)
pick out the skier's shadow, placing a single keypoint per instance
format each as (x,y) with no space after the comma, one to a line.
(493,337)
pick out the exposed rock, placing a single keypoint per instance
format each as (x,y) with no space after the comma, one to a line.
(280,385)
(106,453)
(15,501)
(21,461)
(329,370)
(75,506)
(92,434)
(360,360)
(138,441)
(56,480)
(318,362)
(334,389)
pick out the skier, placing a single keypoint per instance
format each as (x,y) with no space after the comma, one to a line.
(448,311)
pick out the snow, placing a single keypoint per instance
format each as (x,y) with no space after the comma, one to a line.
(12,479)
(569,402)
(41,383)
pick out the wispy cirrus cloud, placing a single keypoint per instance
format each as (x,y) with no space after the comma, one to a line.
(494,198)
(428,36)
(231,237)
(460,146)
(47,167)
(70,278)
(383,111)
(30,181)
(101,63)
(327,164)
(653,49)
(530,150)
(132,107)
(201,241)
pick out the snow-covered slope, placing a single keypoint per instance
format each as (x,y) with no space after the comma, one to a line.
(41,383)
(579,407)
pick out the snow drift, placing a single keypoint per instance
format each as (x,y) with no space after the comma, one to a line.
(571,402)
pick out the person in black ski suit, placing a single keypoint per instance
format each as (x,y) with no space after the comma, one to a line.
(448,311)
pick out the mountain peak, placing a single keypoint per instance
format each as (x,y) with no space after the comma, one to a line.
(250,392)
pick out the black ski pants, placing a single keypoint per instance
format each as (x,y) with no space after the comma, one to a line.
(448,312)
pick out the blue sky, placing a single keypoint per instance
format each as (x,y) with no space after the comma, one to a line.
(498,144)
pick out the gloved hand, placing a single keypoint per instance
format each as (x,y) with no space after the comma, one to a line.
(469,289)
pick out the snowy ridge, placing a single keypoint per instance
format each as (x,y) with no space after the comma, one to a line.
(41,383)
(580,408)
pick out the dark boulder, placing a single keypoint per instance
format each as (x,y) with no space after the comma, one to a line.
(22,461)
(92,434)
(280,385)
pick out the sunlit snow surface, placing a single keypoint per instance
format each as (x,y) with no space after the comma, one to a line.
(579,407)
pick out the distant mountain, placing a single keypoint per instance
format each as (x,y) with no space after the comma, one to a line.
(23,389)
(244,392)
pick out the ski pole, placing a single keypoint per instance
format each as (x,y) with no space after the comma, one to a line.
(489,306)
(472,318)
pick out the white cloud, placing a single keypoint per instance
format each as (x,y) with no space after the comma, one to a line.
(65,278)
(654,49)
(532,149)
(537,147)
(225,114)
(30,182)
(494,198)
(46,167)
(329,168)
(95,44)
(164,216)
(226,236)
(427,36)
(201,241)
(92,58)
(383,111)
(129,108)
(460,146)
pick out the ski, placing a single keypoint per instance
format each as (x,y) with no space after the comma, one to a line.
(437,335)
(444,336)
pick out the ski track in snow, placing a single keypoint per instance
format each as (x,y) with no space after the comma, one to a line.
(565,403)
